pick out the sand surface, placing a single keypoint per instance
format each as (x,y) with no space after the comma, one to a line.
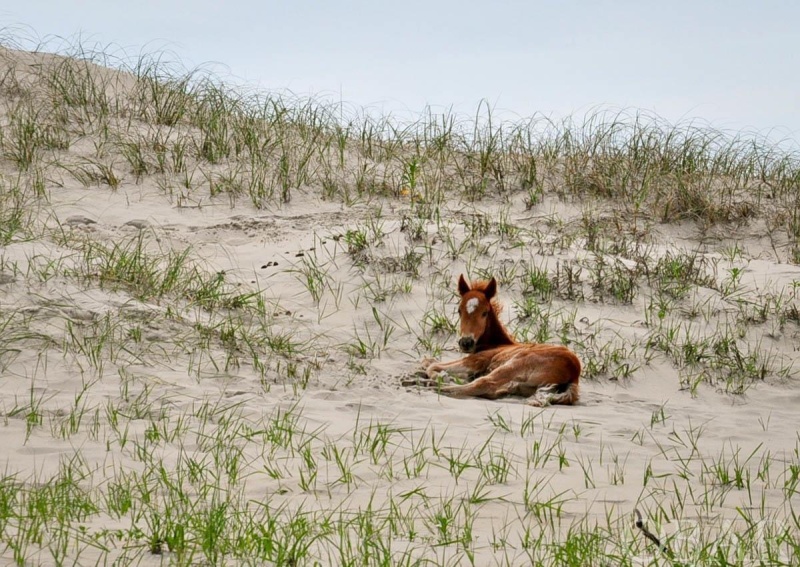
(650,438)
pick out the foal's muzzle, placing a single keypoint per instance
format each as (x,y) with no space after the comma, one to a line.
(466,344)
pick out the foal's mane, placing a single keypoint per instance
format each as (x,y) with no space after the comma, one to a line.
(481,285)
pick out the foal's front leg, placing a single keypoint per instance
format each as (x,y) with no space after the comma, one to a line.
(429,376)
(500,382)
(465,368)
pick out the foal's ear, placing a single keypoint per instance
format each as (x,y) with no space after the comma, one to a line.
(463,286)
(491,289)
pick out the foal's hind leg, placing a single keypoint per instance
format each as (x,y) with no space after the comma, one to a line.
(552,394)
(544,396)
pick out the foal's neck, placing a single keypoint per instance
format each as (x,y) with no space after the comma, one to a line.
(495,334)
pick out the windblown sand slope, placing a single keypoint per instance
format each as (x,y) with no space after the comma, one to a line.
(186,377)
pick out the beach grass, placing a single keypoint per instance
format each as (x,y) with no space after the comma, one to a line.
(220,382)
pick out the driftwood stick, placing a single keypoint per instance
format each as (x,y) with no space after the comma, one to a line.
(639,523)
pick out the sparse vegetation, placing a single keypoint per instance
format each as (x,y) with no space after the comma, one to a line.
(192,276)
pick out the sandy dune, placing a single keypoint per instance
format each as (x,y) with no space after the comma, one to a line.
(158,411)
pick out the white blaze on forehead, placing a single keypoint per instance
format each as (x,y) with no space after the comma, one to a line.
(472,305)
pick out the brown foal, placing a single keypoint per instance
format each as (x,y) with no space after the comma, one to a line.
(496,364)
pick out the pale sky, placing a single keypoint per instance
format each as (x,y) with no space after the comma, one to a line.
(731,64)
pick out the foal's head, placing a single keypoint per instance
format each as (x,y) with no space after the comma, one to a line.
(476,311)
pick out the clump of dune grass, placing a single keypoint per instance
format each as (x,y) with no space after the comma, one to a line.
(152,274)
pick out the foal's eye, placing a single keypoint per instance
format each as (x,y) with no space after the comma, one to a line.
(485,314)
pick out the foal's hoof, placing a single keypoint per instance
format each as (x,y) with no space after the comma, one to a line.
(426,362)
(419,378)
(540,401)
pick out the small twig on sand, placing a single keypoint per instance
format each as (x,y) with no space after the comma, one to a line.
(649,535)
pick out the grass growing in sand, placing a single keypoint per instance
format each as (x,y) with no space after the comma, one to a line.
(207,298)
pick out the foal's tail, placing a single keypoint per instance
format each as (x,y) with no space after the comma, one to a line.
(564,394)
(568,395)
